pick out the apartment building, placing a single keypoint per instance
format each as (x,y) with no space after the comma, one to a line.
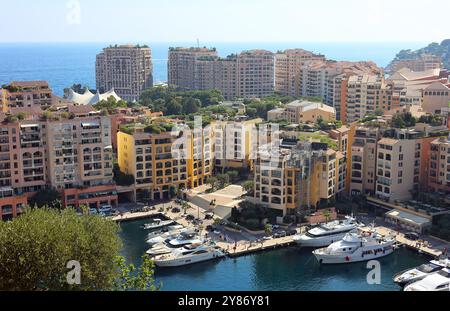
(288,67)
(26,94)
(182,67)
(362,161)
(80,161)
(162,163)
(37,154)
(436,98)
(422,63)
(398,168)
(256,74)
(235,143)
(297,179)
(127,69)
(301,111)
(439,166)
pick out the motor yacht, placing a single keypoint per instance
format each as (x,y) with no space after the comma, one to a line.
(436,282)
(158,223)
(419,273)
(326,234)
(189,254)
(356,247)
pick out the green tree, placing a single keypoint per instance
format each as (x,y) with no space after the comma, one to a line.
(249,186)
(132,278)
(110,104)
(36,248)
(174,107)
(268,229)
(223,180)
(212,181)
(233,176)
(191,105)
(47,197)
(122,179)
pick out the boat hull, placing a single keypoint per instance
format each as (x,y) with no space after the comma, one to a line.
(304,241)
(328,259)
(187,261)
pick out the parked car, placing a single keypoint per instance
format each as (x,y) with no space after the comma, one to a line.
(190,218)
(209,216)
(275,227)
(267,238)
(209,228)
(413,236)
(197,221)
(292,232)
(280,234)
(176,210)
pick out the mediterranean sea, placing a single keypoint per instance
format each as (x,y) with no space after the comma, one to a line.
(63,64)
(289,269)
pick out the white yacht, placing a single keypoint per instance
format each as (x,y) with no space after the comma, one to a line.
(419,273)
(185,238)
(158,223)
(435,282)
(164,230)
(170,235)
(326,234)
(355,247)
(189,254)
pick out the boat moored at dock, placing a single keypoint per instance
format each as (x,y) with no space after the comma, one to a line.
(436,282)
(157,224)
(419,273)
(190,254)
(326,234)
(356,247)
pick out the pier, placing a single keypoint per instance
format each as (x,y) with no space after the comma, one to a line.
(420,246)
(250,247)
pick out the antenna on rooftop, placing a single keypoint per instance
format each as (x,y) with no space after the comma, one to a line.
(198,43)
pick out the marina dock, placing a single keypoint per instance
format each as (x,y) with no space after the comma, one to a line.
(247,248)
(423,247)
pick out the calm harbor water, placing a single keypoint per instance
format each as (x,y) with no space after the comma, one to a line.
(289,269)
(63,64)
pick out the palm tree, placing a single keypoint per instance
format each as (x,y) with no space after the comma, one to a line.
(327,214)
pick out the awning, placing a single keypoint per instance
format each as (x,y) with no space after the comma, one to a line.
(408,217)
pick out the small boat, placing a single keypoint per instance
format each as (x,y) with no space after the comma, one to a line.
(356,247)
(326,234)
(158,223)
(419,273)
(436,282)
(189,254)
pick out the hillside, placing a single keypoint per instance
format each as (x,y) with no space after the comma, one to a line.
(442,50)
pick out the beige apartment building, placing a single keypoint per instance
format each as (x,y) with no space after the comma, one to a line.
(365,95)
(422,63)
(256,74)
(235,143)
(182,67)
(299,178)
(362,161)
(26,94)
(126,69)
(436,98)
(80,161)
(398,168)
(303,112)
(288,67)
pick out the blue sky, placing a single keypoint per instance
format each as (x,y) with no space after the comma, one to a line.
(224,20)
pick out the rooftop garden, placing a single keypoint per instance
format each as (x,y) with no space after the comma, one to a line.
(324,139)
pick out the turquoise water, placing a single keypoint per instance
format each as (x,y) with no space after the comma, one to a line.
(65,64)
(289,269)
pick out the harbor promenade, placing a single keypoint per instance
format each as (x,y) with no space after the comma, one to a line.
(421,246)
